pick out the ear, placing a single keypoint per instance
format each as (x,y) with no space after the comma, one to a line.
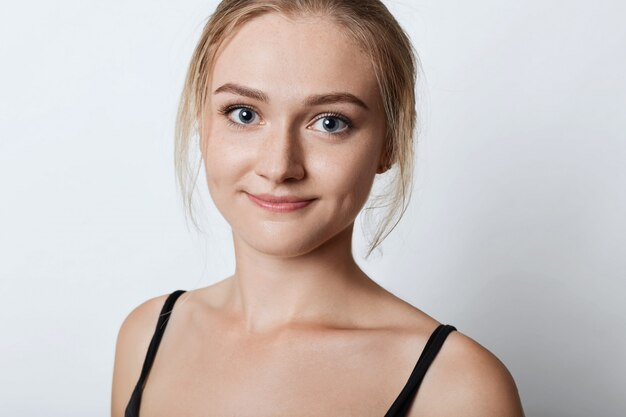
(201,140)
(384,162)
(201,136)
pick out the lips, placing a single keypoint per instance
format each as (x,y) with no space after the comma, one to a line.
(279,203)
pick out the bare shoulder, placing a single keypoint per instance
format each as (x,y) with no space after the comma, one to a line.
(132,343)
(467,379)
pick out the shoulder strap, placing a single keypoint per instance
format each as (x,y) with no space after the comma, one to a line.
(133,405)
(401,405)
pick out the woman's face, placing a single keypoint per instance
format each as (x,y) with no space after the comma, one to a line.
(293,111)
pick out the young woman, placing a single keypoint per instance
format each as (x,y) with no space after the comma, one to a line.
(298,105)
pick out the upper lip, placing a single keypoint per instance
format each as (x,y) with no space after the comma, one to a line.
(280,199)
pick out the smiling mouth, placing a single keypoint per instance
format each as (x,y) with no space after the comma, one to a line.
(279,204)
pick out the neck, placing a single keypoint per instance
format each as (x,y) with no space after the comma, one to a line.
(269,292)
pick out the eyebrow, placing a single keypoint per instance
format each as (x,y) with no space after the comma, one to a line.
(314,100)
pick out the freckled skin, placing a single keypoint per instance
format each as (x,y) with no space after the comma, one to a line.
(286,151)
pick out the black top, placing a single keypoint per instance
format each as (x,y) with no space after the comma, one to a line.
(399,407)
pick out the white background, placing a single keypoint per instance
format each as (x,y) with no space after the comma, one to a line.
(516,232)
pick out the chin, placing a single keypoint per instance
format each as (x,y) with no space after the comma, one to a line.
(285,243)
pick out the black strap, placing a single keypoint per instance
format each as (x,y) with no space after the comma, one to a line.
(400,406)
(132,409)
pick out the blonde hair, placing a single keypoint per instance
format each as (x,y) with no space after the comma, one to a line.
(395,65)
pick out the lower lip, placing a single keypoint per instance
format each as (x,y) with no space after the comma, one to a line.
(279,207)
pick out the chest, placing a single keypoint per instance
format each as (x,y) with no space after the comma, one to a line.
(352,377)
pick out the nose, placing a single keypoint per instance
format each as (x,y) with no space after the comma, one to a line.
(280,156)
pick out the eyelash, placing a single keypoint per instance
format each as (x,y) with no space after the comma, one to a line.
(226,109)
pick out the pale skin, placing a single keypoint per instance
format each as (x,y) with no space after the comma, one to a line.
(299,329)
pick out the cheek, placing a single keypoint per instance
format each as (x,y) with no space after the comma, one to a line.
(349,175)
(221,151)
(225,162)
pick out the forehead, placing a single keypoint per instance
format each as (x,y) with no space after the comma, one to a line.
(286,57)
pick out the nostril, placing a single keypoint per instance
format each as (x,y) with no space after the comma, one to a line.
(280,160)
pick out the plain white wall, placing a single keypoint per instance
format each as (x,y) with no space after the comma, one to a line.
(515,234)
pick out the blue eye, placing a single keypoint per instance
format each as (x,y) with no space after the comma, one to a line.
(332,124)
(242,115)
